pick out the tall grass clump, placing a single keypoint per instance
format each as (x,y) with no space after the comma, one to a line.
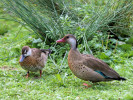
(87,19)
(42,15)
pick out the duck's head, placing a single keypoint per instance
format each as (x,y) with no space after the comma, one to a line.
(70,39)
(26,51)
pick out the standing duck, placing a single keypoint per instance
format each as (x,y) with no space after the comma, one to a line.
(87,67)
(33,59)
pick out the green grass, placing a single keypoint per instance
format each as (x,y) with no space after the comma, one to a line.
(64,85)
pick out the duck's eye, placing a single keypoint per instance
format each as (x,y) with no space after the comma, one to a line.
(67,37)
(25,51)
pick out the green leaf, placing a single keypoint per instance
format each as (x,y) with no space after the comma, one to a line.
(103,56)
(58,77)
(126,47)
(130,40)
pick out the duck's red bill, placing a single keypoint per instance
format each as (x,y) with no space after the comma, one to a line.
(60,41)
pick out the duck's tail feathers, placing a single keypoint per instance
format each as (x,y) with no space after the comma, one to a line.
(122,78)
(46,51)
(119,78)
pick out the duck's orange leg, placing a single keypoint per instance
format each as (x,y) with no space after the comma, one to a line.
(27,75)
(40,73)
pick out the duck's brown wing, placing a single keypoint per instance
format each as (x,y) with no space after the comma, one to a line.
(99,65)
(86,55)
(41,55)
(36,53)
(46,51)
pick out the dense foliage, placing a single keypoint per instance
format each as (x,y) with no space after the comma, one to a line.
(103,22)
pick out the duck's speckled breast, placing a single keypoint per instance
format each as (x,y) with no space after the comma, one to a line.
(30,64)
(76,67)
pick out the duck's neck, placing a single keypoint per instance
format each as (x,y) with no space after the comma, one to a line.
(74,55)
(73,47)
(73,44)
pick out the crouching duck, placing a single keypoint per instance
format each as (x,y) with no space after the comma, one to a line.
(33,59)
(87,67)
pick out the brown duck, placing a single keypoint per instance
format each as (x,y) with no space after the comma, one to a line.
(87,67)
(33,59)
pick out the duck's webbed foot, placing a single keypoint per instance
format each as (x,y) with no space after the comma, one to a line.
(86,85)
